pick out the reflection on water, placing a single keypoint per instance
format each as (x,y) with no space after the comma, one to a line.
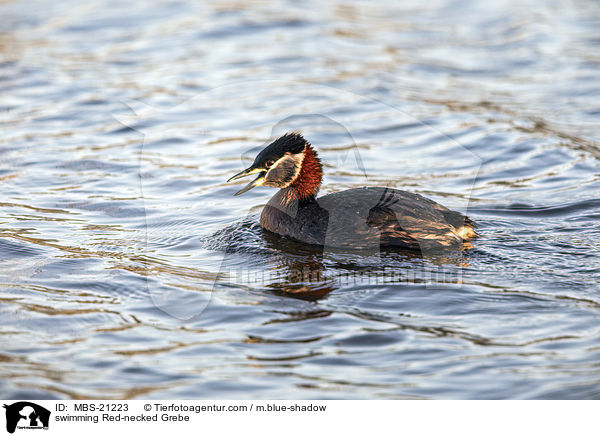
(128,269)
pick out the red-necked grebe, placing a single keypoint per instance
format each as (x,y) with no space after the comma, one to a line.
(356,218)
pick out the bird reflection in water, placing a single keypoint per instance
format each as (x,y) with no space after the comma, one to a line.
(311,273)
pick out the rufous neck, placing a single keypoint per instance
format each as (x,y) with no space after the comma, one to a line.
(308,182)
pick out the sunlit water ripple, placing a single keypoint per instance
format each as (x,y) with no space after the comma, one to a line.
(128,269)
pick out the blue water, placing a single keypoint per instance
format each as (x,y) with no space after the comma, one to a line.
(129,270)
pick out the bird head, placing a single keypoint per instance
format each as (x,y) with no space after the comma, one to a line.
(278,165)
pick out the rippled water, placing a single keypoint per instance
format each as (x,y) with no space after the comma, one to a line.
(128,269)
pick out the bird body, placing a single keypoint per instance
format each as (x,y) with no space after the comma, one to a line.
(359,218)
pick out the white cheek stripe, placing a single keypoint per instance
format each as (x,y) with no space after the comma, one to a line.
(298,158)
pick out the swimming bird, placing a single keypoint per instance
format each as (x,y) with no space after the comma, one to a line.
(359,218)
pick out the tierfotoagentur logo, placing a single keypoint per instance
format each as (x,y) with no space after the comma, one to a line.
(25,415)
(186,158)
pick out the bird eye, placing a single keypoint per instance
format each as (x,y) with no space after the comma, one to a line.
(270,162)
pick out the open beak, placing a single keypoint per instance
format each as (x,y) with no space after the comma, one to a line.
(256,182)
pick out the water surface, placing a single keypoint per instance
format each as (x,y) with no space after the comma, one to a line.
(129,270)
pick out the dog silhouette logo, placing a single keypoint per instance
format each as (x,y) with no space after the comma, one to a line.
(26,415)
